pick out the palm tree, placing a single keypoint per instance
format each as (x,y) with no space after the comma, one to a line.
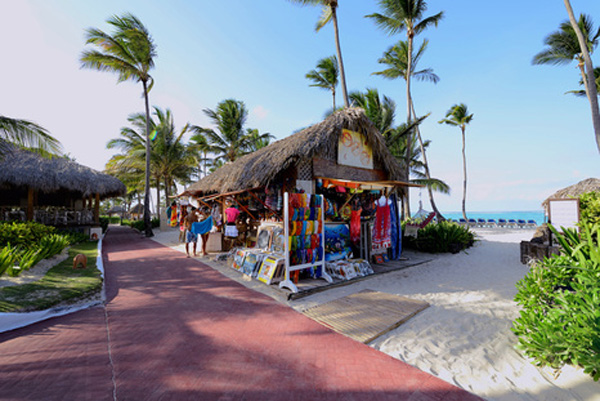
(381,112)
(325,75)
(563,45)
(257,140)
(459,116)
(396,59)
(229,140)
(199,145)
(129,52)
(582,92)
(28,135)
(590,87)
(329,13)
(405,15)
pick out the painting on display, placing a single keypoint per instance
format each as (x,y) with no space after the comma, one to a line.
(354,151)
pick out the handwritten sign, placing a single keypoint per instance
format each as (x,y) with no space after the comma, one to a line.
(563,213)
(354,151)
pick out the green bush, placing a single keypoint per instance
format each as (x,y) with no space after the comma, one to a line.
(23,233)
(8,256)
(560,298)
(139,224)
(589,206)
(440,237)
(104,220)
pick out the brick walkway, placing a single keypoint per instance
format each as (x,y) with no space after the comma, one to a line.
(179,330)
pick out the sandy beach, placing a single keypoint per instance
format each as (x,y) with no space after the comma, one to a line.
(464,337)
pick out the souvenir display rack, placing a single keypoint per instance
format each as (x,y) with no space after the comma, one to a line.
(302,225)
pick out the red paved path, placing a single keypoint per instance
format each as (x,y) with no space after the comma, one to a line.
(181,331)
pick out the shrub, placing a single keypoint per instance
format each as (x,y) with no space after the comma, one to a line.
(589,206)
(23,233)
(440,238)
(8,256)
(560,297)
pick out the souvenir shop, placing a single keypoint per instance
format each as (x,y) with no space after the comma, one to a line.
(326,217)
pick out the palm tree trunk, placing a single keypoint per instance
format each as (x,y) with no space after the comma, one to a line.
(147,220)
(426,165)
(464,199)
(333,94)
(339,56)
(591,80)
(408,119)
(158,197)
(167,193)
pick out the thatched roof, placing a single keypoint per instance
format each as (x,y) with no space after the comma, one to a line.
(21,168)
(259,168)
(576,190)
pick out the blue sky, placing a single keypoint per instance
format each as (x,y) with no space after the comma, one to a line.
(527,139)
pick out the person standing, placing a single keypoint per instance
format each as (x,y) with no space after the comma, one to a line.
(204,214)
(191,218)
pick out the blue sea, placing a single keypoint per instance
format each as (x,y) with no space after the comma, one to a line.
(537,215)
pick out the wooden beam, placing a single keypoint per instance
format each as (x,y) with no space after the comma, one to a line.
(30,204)
(97,209)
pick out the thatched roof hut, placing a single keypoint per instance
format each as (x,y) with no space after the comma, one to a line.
(313,149)
(576,190)
(53,180)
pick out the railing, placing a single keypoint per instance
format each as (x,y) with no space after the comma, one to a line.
(50,216)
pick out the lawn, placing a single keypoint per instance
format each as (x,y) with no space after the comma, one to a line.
(61,283)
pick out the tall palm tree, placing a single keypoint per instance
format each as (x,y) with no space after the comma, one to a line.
(28,135)
(129,52)
(381,112)
(582,92)
(562,46)
(329,13)
(325,75)
(396,58)
(257,140)
(458,116)
(199,144)
(405,15)
(590,87)
(229,140)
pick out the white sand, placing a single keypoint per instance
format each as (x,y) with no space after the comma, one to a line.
(464,337)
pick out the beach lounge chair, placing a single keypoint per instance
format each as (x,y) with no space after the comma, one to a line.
(472,223)
(502,223)
(492,223)
(462,222)
(521,223)
(481,223)
(531,223)
(512,223)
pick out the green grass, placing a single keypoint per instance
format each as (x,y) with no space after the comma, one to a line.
(61,283)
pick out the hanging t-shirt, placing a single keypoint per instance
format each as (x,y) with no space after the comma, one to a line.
(232,214)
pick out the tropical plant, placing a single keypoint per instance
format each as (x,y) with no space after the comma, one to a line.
(27,134)
(405,15)
(229,140)
(129,52)
(582,92)
(329,13)
(326,75)
(171,160)
(381,112)
(257,140)
(459,116)
(589,208)
(8,257)
(560,296)
(397,58)
(441,237)
(574,41)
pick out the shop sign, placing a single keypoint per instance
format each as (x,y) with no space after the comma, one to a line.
(354,151)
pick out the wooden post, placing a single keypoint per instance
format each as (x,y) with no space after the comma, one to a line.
(30,204)
(97,209)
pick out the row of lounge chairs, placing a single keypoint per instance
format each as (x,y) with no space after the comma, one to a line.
(511,223)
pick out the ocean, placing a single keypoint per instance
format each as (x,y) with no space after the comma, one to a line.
(536,215)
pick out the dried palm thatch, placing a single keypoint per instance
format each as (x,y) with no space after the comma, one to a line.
(576,190)
(21,168)
(259,168)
